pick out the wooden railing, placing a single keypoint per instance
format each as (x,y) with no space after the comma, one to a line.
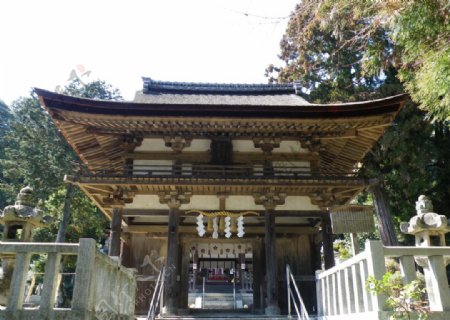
(295,297)
(102,286)
(208,171)
(342,293)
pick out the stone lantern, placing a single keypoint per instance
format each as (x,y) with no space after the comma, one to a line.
(428,227)
(19,221)
(22,218)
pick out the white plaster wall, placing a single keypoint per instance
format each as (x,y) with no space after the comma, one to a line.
(152,144)
(245,146)
(298,203)
(157,144)
(141,201)
(202,203)
(242,203)
(199,145)
(211,202)
(290,147)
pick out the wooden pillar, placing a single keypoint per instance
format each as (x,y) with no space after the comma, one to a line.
(327,240)
(184,278)
(126,254)
(174,199)
(270,199)
(384,217)
(242,270)
(257,275)
(272,307)
(172,270)
(116,228)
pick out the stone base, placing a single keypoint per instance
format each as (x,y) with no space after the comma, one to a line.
(169,311)
(272,310)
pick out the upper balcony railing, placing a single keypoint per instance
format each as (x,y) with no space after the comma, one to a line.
(209,171)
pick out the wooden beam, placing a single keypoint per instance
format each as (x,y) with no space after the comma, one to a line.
(348,134)
(183,213)
(205,157)
(114,239)
(191,229)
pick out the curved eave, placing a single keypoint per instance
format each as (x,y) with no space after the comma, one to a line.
(53,101)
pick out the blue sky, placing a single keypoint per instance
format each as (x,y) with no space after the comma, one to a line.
(119,41)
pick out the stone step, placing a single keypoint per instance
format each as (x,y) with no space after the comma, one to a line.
(221,300)
(224,315)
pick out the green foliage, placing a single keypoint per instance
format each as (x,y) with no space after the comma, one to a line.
(93,90)
(4,128)
(412,158)
(34,153)
(401,298)
(344,50)
(87,221)
(365,38)
(315,56)
(342,247)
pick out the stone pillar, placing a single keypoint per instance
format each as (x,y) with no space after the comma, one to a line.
(327,240)
(384,217)
(116,229)
(270,200)
(174,200)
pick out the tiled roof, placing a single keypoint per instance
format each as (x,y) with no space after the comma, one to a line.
(163,92)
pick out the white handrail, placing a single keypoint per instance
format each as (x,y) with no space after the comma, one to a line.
(156,294)
(302,314)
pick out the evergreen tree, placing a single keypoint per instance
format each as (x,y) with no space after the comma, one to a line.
(34,153)
(346,51)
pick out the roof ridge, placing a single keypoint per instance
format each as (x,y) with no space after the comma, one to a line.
(151,86)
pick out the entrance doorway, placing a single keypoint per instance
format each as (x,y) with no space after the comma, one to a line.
(221,276)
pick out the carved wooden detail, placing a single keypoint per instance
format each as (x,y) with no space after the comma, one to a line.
(270,199)
(130,142)
(177,143)
(118,198)
(174,199)
(267,144)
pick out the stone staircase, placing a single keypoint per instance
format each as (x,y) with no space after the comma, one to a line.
(221,301)
(224,315)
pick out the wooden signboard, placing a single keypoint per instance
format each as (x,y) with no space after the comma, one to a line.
(352,219)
